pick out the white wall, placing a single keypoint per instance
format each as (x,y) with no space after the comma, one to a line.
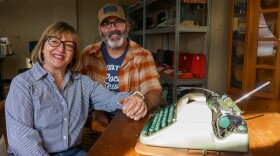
(24,20)
(217,70)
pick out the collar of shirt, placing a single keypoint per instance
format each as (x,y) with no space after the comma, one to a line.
(38,72)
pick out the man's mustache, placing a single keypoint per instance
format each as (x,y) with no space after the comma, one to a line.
(116,32)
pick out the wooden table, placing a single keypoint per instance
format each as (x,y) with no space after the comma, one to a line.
(264,133)
(121,136)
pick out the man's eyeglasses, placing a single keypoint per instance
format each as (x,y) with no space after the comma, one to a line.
(55,42)
(108,25)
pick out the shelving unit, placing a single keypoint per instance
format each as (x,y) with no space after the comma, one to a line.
(172,35)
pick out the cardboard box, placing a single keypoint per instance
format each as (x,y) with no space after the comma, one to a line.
(187,23)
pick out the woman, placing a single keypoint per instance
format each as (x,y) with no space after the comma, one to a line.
(47,106)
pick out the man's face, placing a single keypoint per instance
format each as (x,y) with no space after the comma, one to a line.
(114,31)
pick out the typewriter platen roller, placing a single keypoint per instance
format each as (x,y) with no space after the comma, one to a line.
(197,122)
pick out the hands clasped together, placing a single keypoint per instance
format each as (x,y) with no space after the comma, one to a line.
(134,107)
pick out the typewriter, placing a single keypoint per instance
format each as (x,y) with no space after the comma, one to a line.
(197,122)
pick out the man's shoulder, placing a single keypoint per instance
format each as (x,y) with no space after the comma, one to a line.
(92,48)
(137,49)
(87,48)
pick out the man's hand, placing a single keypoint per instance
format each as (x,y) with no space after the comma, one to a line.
(134,107)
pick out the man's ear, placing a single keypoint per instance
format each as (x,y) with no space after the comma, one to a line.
(100,32)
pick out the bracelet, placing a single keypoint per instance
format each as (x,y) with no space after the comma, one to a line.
(139,94)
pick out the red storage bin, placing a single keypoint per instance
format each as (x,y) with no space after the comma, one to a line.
(198,65)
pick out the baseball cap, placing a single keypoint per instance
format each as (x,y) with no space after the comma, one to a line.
(110,10)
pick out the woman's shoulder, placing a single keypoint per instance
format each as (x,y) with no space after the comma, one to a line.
(25,80)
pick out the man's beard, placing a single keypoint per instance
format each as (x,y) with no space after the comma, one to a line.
(115,43)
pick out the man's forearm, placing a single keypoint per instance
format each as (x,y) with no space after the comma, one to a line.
(153,99)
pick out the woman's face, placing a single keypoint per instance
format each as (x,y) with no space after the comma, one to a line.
(58,52)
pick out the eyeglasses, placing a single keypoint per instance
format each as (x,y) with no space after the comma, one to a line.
(55,42)
(108,25)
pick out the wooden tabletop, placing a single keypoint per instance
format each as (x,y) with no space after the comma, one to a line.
(121,136)
(264,133)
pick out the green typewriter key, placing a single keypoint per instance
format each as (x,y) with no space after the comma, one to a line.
(170,115)
(153,125)
(145,130)
(159,120)
(164,118)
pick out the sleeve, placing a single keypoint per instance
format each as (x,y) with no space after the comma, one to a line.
(149,76)
(23,139)
(103,99)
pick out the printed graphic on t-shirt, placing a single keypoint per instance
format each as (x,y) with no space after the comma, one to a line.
(113,67)
(112,79)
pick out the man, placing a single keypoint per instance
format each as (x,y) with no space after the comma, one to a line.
(119,63)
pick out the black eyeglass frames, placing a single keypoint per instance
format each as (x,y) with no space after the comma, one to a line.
(55,42)
(108,25)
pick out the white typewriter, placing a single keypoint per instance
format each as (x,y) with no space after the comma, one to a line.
(198,123)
